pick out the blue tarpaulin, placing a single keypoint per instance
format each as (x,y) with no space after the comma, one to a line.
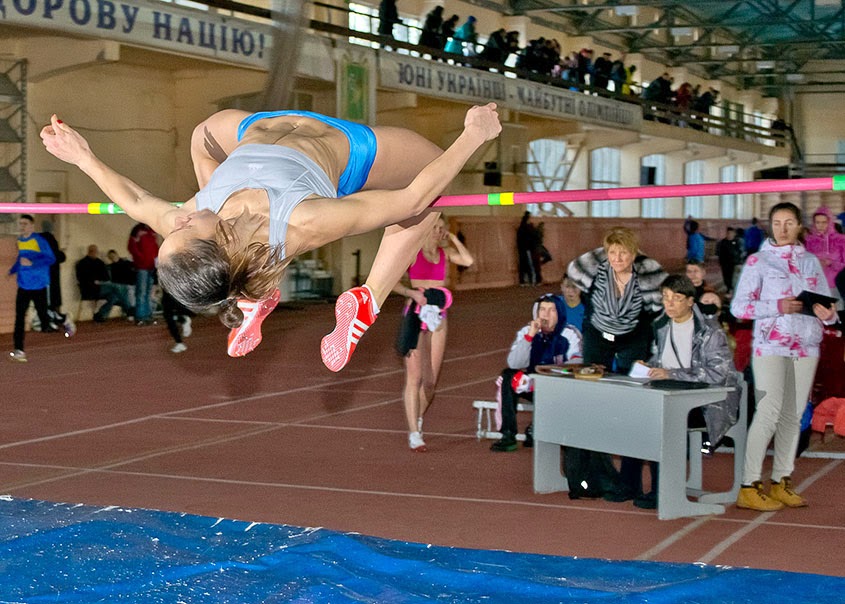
(58,552)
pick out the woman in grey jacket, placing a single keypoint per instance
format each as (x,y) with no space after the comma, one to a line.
(710,359)
(691,348)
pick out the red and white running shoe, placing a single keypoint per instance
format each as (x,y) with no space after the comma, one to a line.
(245,339)
(354,313)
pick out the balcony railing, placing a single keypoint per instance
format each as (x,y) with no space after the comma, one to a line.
(335,21)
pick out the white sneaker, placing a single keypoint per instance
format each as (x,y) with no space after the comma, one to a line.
(186,327)
(18,356)
(180,347)
(416,442)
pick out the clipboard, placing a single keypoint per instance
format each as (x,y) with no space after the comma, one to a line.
(809,298)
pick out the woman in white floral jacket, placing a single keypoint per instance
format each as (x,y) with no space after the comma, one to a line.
(785,353)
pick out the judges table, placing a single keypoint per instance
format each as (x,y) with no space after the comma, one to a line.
(623,419)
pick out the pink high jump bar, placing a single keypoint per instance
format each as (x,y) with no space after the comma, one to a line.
(833,183)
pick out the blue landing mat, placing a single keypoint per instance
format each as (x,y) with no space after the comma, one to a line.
(55,552)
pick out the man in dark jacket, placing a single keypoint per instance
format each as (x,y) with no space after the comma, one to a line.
(95,284)
(54,292)
(729,253)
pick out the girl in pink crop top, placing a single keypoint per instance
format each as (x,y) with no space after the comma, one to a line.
(425,344)
(423,270)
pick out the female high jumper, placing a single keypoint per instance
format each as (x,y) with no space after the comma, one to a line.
(277,184)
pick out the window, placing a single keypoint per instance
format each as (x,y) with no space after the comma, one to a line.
(694,175)
(734,115)
(365,19)
(547,166)
(655,207)
(728,203)
(605,173)
(760,123)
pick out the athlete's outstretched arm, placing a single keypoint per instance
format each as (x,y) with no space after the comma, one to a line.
(68,145)
(320,221)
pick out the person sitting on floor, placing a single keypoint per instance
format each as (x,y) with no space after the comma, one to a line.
(690,348)
(546,340)
(93,278)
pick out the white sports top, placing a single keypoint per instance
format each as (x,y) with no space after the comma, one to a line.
(286,175)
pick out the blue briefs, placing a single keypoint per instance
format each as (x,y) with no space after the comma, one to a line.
(362,146)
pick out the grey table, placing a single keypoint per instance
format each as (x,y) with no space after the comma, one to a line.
(623,419)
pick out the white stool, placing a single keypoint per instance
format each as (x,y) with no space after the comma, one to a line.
(484,419)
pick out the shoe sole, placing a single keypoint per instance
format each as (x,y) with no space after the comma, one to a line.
(803,504)
(420,449)
(247,337)
(748,507)
(336,348)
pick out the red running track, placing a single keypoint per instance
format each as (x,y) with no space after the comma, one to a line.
(111,417)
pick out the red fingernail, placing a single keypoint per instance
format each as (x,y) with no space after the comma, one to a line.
(59,122)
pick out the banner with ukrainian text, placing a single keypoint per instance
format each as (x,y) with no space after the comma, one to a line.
(160,25)
(461,84)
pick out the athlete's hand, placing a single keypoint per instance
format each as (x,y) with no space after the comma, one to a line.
(483,120)
(417,296)
(64,142)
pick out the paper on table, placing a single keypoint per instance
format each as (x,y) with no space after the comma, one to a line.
(638,370)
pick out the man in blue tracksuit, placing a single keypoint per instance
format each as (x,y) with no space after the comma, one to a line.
(33,272)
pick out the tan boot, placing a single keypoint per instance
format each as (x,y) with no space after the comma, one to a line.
(782,491)
(753,498)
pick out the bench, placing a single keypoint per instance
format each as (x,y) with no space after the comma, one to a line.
(484,419)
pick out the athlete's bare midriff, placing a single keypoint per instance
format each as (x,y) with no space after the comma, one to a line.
(323,144)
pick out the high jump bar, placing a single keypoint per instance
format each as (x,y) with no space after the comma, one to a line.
(832,183)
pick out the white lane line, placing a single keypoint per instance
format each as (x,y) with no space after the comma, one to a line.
(673,538)
(236,401)
(735,537)
(76,472)
(260,429)
(329,489)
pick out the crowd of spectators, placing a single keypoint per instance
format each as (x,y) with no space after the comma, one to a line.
(544,59)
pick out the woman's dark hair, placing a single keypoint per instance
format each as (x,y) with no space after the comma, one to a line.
(197,276)
(211,273)
(789,207)
(680,284)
